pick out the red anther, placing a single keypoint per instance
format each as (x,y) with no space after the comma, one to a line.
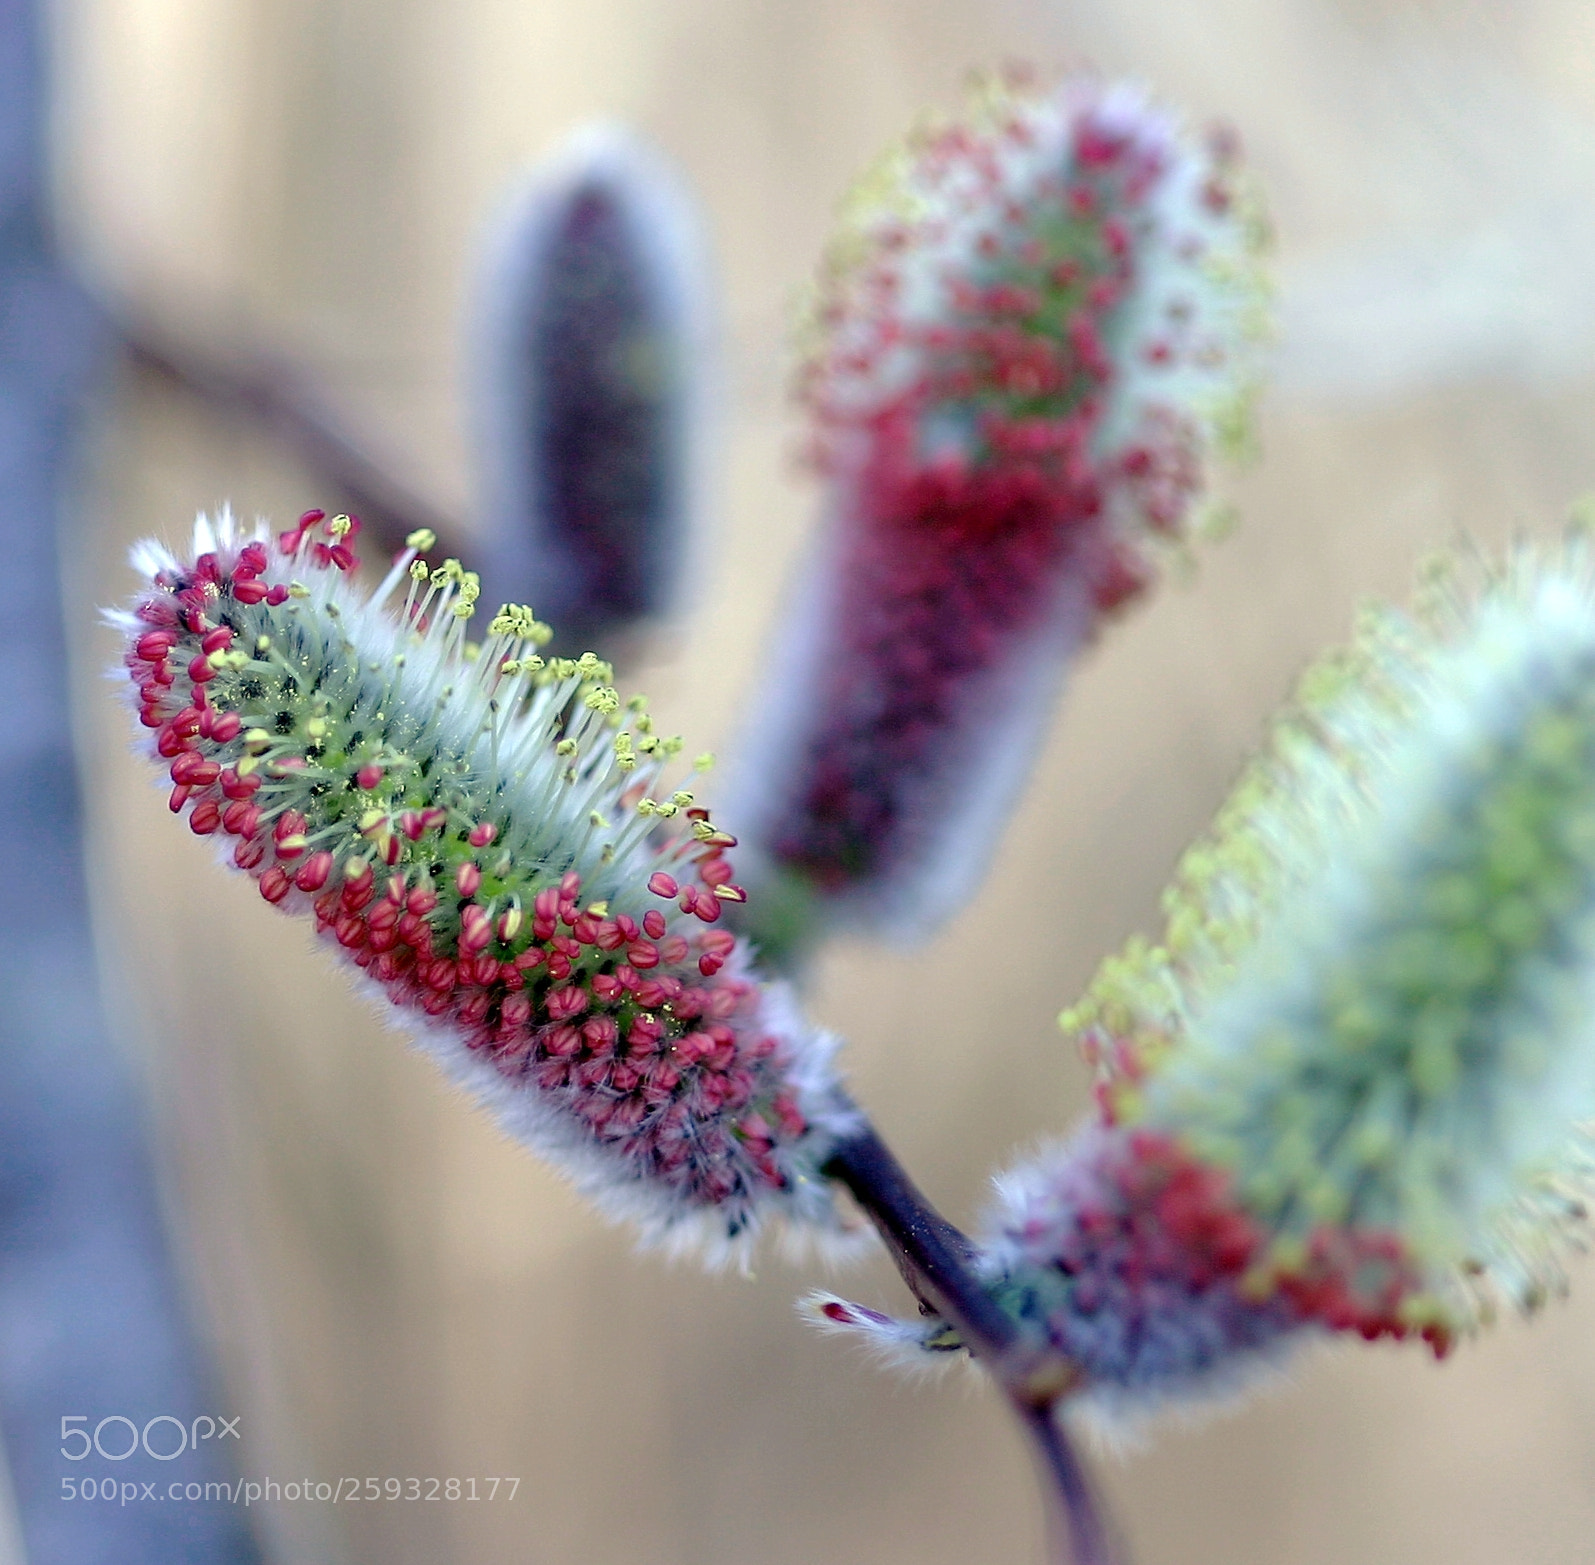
(199,670)
(483,971)
(248,590)
(438,974)
(563,1042)
(357,891)
(153,646)
(643,954)
(218,640)
(395,889)
(392,849)
(289,824)
(606,987)
(290,540)
(236,787)
(225,728)
(410,823)
(715,871)
(709,965)
(653,923)
(182,768)
(545,905)
(251,559)
(673,950)
(277,596)
(205,817)
(274,884)
(651,993)
(433,818)
(695,1046)
(150,717)
(565,1001)
(608,935)
(529,958)
(627,925)
(482,834)
(568,911)
(476,929)
(421,901)
(601,1033)
(241,818)
(178,797)
(314,871)
(467,878)
(688,901)
(351,931)
(569,885)
(718,942)
(516,1010)
(410,928)
(708,909)
(475,1008)
(249,852)
(169,743)
(645,1032)
(436,1002)
(662,885)
(558,965)
(369,775)
(186,724)
(585,929)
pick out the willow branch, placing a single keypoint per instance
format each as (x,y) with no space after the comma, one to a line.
(271,393)
(935,1259)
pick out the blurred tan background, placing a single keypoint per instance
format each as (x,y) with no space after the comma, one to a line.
(394,1289)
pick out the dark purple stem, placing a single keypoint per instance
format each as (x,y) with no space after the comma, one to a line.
(934,1258)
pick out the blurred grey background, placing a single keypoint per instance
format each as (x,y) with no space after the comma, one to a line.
(394,1290)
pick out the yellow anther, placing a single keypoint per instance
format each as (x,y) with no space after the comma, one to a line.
(597,820)
(236,661)
(511,924)
(703,761)
(681,797)
(418,570)
(665,810)
(422,539)
(297,840)
(647,807)
(247,765)
(256,740)
(297,589)
(316,728)
(263,643)
(674,745)
(565,747)
(372,820)
(463,608)
(339,526)
(603,699)
(217,659)
(636,703)
(731,893)
(531,664)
